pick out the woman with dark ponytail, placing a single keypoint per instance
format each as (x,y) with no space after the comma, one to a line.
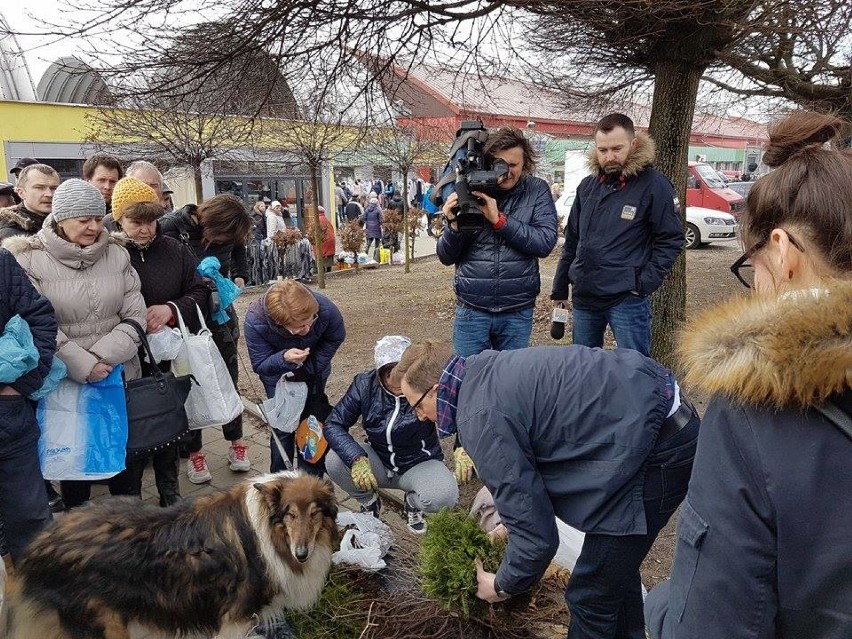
(764,544)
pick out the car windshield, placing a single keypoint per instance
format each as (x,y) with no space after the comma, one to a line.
(709,175)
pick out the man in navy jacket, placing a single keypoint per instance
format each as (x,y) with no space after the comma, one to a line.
(23,500)
(497,276)
(604,440)
(624,233)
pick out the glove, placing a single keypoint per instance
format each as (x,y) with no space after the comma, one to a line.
(463,466)
(362,474)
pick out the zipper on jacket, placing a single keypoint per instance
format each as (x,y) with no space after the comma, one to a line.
(388,433)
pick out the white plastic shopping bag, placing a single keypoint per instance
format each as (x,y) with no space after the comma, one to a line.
(282,411)
(83,429)
(165,344)
(213,401)
(364,545)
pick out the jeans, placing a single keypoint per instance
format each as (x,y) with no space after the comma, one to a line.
(630,321)
(475,331)
(430,484)
(604,595)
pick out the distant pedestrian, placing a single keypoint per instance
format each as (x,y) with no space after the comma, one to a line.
(373,223)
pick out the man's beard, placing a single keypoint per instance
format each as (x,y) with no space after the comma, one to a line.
(613,169)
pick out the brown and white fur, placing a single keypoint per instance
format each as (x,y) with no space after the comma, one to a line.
(215,566)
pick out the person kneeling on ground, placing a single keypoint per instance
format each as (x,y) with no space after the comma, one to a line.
(604,440)
(400,452)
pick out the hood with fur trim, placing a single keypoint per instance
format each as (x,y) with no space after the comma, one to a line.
(791,351)
(642,156)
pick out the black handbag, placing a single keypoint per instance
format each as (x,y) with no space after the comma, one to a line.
(156,415)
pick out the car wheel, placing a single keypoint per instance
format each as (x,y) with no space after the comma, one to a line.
(693,236)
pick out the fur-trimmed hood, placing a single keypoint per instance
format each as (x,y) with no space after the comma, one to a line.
(22,218)
(642,156)
(790,351)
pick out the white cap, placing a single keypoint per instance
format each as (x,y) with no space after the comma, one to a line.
(389,349)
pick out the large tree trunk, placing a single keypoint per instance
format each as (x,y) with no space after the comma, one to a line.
(314,213)
(675,92)
(405,229)
(199,198)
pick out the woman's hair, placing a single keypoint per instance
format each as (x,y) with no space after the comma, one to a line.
(422,364)
(809,192)
(290,302)
(257,205)
(224,219)
(142,212)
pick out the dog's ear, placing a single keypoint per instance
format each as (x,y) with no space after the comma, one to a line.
(328,501)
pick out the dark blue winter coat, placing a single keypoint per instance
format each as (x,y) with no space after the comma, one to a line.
(19,297)
(497,271)
(373,221)
(622,237)
(267,341)
(393,430)
(561,432)
(764,539)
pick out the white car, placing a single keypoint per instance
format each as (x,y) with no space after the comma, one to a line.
(563,207)
(708,225)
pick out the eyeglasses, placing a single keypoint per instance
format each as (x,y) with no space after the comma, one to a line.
(301,327)
(416,405)
(745,271)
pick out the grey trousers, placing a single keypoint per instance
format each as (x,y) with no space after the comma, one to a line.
(429,486)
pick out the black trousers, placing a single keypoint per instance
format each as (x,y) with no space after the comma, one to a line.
(165,462)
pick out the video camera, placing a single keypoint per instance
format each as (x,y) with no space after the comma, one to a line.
(468,170)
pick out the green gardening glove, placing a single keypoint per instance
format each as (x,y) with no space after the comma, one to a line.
(362,474)
(463,466)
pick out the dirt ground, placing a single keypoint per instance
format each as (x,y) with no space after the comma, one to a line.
(420,304)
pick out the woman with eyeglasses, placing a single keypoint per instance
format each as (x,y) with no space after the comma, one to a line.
(292,329)
(764,543)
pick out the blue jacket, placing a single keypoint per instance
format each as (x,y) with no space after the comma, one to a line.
(764,537)
(393,430)
(622,237)
(567,438)
(267,342)
(497,271)
(19,297)
(373,221)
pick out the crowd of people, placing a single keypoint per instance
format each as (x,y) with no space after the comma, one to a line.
(608,441)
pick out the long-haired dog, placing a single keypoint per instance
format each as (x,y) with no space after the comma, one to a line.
(215,566)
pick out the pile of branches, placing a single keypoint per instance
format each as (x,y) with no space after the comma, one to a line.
(392,221)
(352,237)
(286,238)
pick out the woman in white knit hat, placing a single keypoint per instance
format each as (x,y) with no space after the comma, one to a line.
(89,280)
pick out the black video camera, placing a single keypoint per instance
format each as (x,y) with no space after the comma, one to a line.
(468,170)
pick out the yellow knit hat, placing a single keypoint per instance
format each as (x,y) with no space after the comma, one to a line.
(129,191)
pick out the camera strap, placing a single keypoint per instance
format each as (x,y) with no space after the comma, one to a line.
(461,141)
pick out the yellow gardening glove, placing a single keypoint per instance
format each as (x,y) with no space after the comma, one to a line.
(362,474)
(463,466)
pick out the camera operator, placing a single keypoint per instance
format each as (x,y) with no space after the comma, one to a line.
(497,274)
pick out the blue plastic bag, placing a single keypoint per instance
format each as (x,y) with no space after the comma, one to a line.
(18,354)
(228,291)
(83,429)
(58,372)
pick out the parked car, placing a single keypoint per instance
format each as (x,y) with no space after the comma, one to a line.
(706,189)
(705,225)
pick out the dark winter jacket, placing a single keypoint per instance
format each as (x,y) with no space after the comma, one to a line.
(258,229)
(167,271)
(353,211)
(623,235)
(267,342)
(19,297)
(764,539)
(18,220)
(373,221)
(393,430)
(497,271)
(180,225)
(561,432)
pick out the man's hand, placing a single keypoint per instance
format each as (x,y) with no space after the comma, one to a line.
(99,371)
(240,282)
(485,585)
(296,355)
(488,206)
(8,391)
(362,474)
(158,316)
(449,205)
(463,466)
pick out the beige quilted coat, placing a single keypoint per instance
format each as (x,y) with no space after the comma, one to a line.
(92,289)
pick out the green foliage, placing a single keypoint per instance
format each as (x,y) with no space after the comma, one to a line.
(453,541)
(338,614)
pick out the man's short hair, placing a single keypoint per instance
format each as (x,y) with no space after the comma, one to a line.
(508,138)
(109,162)
(27,172)
(608,122)
(143,165)
(422,364)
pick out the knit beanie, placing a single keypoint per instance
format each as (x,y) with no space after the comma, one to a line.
(129,191)
(77,198)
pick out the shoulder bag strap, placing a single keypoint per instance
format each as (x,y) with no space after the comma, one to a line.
(156,369)
(837,416)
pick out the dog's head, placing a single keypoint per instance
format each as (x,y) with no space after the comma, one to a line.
(301,511)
